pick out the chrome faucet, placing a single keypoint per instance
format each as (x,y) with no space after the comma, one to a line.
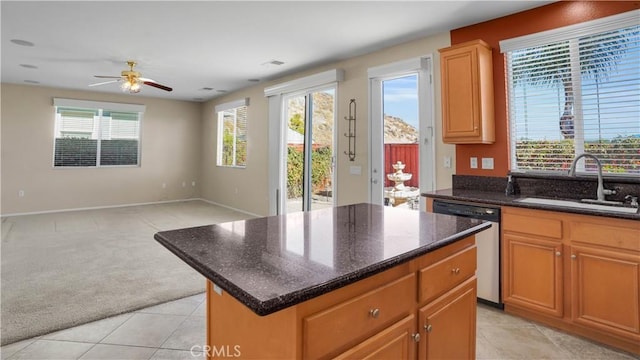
(601,190)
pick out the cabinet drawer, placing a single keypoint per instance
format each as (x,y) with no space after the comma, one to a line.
(531,222)
(444,275)
(616,234)
(352,321)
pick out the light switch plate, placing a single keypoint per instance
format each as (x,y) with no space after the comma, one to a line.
(447,161)
(487,163)
(474,163)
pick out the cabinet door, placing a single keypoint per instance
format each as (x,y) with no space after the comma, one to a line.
(467,94)
(449,325)
(395,342)
(460,97)
(532,271)
(605,289)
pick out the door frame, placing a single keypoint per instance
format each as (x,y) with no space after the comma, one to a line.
(275,94)
(308,146)
(423,67)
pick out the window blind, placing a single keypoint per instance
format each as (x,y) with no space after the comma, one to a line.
(573,96)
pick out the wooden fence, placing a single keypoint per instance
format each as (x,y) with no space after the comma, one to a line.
(408,154)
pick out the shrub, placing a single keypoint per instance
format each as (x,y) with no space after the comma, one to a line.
(320,170)
(619,155)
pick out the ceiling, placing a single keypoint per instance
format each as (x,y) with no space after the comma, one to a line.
(206,48)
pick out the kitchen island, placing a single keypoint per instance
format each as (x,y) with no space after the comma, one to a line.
(344,282)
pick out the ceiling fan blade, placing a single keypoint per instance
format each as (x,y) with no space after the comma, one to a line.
(159,86)
(104,82)
(107,77)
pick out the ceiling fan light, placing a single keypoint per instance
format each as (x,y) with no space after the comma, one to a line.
(135,87)
(126,85)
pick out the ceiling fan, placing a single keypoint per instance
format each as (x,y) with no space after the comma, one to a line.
(131,80)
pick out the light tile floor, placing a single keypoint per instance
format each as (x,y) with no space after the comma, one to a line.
(176,330)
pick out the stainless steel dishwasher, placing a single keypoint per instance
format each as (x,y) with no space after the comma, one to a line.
(488,243)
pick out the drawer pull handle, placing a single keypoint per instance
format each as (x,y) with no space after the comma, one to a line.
(573,256)
(558,253)
(374,313)
(416,337)
(428,328)
(455,271)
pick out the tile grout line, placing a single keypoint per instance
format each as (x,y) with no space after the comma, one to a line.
(178,327)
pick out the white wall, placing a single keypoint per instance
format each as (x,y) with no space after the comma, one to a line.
(170,154)
(220,184)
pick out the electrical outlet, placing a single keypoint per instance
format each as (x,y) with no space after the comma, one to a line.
(447,161)
(193,183)
(487,163)
(355,170)
(474,163)
(164,185)
(20,193)
(184,184)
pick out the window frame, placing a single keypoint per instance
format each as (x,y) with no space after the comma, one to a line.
(569,34)
(220,114)
(99,107)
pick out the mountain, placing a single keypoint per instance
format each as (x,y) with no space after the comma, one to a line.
(396,130)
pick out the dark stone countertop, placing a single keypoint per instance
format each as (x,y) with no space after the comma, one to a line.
(275,262)
(499,198)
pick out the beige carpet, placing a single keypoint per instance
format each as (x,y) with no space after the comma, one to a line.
(64,269)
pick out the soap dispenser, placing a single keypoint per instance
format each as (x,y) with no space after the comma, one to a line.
(511,189)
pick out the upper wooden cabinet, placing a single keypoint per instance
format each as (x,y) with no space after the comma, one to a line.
(467,94)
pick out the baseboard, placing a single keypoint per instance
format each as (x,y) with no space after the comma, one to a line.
(229,207)
(107,207)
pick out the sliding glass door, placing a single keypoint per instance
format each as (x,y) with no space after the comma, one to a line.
(307,177)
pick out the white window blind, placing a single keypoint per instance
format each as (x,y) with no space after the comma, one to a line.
(576,95)
(88,137)
(232,134)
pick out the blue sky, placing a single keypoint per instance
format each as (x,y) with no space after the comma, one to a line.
(401,98)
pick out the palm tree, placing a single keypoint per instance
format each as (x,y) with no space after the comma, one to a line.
(550,65)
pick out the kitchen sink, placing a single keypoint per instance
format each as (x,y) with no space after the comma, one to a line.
(578,204)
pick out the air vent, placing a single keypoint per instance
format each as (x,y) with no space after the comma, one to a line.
(206,89)
(272,63)
(22,42)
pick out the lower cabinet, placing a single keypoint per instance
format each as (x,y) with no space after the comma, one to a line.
(395,342)
(605,290)
(576,272)
(449,325)
(533,273)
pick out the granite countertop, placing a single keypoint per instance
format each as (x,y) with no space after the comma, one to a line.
(499,198)
(275,262)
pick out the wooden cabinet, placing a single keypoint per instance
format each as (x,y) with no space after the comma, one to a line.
(604,289)
(467,94)
(449,325)
(592,288)
(532,275)
(395,342)
(428,302)
(358,318)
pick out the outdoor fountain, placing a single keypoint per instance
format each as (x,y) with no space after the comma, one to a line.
(399,177)
(399,193)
